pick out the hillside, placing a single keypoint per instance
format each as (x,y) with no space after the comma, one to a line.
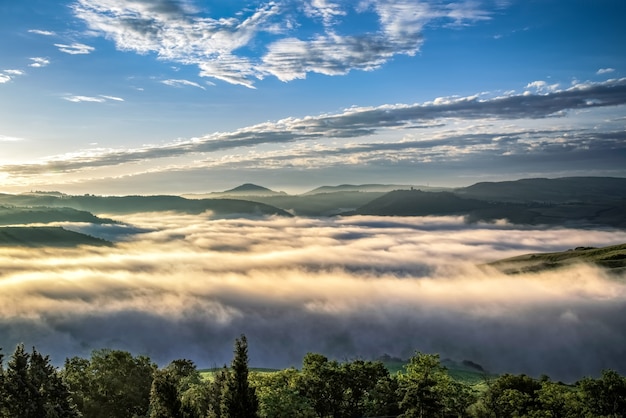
(559,190)
(612,258)
(12,215)
(45,237)
(134,204)
(419,203)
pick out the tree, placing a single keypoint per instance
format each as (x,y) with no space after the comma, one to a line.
(31,387)
(239,398)
(426,389)
(606,396)
(512,395)
(280,395)
(112,383)
(174,394)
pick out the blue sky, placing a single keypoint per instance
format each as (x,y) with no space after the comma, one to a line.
(165,96)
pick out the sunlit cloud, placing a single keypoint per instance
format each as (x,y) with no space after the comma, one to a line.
(15,72)
(38,62)
(400,121)
(114,98)
(185,286)
(4,78)
(5,138)
(75,48)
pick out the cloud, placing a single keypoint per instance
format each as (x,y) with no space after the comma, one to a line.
(92,99)
(179,33)
(362,122)
(14,72)
(605,71)
(4,78)
(182,83)
(39,62)
(42,32)
(5,138)
(186,286)
(75,48)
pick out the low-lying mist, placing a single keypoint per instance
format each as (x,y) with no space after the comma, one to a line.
(182,286)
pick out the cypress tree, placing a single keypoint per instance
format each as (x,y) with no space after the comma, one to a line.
(240,400)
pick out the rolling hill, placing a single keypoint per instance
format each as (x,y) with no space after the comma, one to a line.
(27,236)
(612,258)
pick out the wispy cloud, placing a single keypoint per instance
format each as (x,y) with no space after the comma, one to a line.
(114,98)
(42,32)
(38,62)
(75,48)
(605,71)
(179,34)
(4,78)
(93,99)
(346,287)
(182,83)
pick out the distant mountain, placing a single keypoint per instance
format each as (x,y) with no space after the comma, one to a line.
(419,203)
(559,190)
(249,188)
(369,188)
(612,258)
(45,237)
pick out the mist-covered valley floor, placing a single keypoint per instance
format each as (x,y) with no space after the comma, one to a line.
(185,286)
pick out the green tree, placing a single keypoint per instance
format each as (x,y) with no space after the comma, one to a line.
(604,397)
(112,384)
(174,394)
(239,398)
(426,389)
(33,388)
(512,396)
(280,396)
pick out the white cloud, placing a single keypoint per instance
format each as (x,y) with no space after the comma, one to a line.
(541,86)
(605,71)
(4,78)
(75,48)
(5,138)
(14,72)
(38,62)
(215,46)
(79,99)
(114,98)
(42,32)
(181,83)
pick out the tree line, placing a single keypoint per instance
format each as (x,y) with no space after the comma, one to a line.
(116,384)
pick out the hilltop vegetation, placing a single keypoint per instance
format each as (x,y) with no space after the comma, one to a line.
(114,383)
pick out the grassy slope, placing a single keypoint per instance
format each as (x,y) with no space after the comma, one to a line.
(612,258)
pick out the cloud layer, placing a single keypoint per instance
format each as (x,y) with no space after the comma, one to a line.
(445,131)
(346,287)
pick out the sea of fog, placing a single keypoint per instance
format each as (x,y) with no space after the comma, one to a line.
(185,286)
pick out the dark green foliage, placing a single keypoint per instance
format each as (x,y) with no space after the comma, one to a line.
(239,398)
(426,390)
(352,389)
(45,236)
(280,395)
(606,396)
(31,388)
(113,384)
(178,392)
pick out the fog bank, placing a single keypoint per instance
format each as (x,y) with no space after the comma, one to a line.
(182,286)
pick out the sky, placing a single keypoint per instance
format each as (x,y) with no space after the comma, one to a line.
(180,96)
(185,286)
